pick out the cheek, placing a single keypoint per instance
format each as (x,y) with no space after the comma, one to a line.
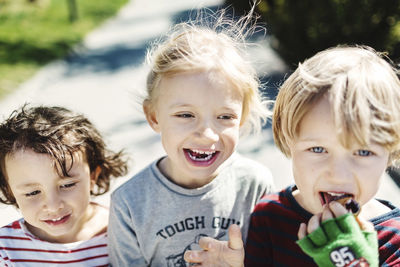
(171,131)
(169,141)
(231,140)
(370,181)
(302,173)
(297,175)
(369,178)
(28,208)
(231,133)
(83,192)
(296,166)
(81,201)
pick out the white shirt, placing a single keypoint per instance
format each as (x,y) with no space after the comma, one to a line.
(19,247)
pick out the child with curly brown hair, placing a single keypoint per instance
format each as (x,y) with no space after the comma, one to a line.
(52,160)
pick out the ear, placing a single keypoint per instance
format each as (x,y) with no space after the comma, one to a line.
(151,116)
(94,176)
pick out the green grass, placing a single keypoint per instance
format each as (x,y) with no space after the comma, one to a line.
(33,34)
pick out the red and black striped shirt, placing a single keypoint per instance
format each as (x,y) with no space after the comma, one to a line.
(275,222)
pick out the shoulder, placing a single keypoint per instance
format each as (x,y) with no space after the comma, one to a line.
(250,169)
(249,175)
(267,210)
(268,202)
(12,227)
(144,187)
(388,228)
(99,240)
(14,233)
(276,201)
(138,182)
(389,221)
(239,161)
(279,207)
(386,214)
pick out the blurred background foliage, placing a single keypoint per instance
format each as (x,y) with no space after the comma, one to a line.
(35,32)
(300,28)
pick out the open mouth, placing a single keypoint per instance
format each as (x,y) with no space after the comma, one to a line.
(327,197)
(201,157)
(345,199)
(57,221)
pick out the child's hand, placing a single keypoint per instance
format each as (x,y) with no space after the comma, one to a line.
(219,253)
(339,240)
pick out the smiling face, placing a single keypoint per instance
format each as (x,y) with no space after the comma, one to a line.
(198,117)
(325,170)
(55,208)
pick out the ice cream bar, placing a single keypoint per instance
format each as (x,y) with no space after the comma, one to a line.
(350,204)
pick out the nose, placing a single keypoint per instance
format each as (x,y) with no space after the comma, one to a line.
(341,170)
(53,202)
(206,132)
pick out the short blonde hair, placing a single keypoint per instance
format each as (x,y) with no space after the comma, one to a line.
(216,47)
(364,91)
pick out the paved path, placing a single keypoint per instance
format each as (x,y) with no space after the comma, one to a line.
(105,75)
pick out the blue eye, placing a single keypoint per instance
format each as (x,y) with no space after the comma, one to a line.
(317,149)
(33,193)
(364,153)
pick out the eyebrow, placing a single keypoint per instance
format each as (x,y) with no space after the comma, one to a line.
(22,186)
(180,105)
(184,105)
(308,139)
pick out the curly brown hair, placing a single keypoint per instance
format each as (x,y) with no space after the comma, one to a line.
(58,132)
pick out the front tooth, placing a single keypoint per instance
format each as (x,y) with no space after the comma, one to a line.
(334,194)
(200,159)
(202,152)
(206,158)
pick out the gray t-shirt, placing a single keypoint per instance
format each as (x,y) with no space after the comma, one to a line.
(154,221)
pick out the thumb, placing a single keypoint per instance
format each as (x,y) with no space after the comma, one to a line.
(364,224)
(235,237)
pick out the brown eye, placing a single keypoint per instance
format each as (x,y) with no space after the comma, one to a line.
(68,185)
(225,117)
(33,193)
(184,115)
